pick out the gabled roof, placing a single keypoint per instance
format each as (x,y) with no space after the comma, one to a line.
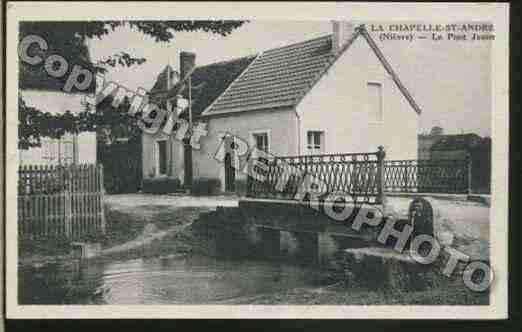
(208,82)
(390,70)
(281,77)
(277,77)
(161,81)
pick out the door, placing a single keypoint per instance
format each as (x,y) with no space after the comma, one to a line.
(122,166)
(230,175)
(187,156)
(162,157)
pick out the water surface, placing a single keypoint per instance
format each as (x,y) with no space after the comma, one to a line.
(174,279)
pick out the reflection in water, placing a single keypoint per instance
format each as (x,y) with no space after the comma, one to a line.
(162,280)
(60,283)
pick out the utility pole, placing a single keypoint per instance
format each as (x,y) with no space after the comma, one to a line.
(188,147)
(169,109)
(190,100)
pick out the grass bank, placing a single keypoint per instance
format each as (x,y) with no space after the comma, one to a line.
(346,295)
(129,231)
(135,232)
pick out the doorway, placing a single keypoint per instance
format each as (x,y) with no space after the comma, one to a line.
(230,173)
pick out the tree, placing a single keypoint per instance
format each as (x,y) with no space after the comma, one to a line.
(108,121)
(68,39)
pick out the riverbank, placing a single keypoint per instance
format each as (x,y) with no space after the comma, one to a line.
(344,295)
(131,230)
(153,232)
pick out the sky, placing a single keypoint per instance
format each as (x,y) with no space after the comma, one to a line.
(450,80)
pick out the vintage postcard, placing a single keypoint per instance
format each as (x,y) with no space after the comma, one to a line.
(256,160)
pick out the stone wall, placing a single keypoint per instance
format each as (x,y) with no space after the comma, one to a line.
(283,230)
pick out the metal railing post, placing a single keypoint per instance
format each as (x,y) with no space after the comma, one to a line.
(381,154)
(249,183)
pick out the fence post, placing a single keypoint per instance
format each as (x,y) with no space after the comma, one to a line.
(249,183)
(381,154)
(67,200)
(101,190)
(469,164)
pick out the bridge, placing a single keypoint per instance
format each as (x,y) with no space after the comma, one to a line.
(321,209)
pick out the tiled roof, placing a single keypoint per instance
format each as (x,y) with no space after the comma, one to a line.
(277,77)
(208,83)
(282,76)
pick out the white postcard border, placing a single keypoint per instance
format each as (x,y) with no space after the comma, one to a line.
(496,13)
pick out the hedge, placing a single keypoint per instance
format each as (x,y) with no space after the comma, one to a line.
(161,185)
(206,186)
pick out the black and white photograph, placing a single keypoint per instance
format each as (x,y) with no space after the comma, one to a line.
(178,160)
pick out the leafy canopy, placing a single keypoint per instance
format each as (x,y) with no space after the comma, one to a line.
(68,40)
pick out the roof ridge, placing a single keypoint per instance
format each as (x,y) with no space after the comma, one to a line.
(255,55)
(259,53)
(298,43)
(222,99)
(223,62)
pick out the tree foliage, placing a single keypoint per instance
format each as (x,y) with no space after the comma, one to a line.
(107,121)
(68,40)
(69,37)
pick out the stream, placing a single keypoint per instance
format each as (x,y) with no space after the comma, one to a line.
(164,279)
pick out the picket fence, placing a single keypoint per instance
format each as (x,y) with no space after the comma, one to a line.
(60,201)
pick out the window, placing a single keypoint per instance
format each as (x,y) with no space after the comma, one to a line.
(66,152)
(315,142)
(58,151)
(162,157)
(261,141)
(375,101)
(50,150)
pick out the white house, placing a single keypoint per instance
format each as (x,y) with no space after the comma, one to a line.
(332,94)
(45,93)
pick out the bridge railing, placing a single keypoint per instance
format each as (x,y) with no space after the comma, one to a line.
(451,176)
(362,177)
(357,175)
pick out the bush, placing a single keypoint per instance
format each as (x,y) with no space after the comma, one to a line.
(161,185)
(206,186)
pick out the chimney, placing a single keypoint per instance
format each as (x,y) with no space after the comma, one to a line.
(187,61)
(342,32)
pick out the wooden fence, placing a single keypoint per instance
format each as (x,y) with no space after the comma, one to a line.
(60,201)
